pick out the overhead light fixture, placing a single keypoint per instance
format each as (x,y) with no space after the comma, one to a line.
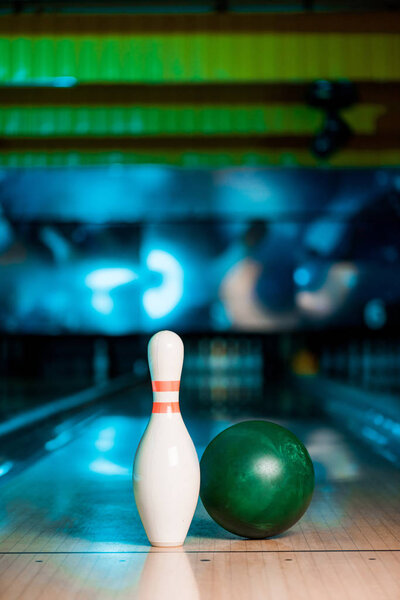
(333,136)
(331,97)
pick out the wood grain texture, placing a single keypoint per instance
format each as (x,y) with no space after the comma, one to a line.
(191,576)
(70,529)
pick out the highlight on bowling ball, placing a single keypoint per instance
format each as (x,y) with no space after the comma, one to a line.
(257,479)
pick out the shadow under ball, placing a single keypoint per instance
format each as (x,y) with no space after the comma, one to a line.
(257,479)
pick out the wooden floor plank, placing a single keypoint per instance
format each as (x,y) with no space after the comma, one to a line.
(70,532)
(238,575)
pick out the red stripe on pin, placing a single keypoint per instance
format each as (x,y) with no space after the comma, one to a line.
(166,407)
(165,386)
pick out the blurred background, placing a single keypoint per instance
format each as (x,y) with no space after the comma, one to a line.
(229,170)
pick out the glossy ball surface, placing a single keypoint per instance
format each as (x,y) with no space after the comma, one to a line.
(257,479)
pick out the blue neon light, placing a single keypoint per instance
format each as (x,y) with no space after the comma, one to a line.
(302,276)
(160,301)
(102,302)
(107,279)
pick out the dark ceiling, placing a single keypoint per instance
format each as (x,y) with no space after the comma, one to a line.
(194,6)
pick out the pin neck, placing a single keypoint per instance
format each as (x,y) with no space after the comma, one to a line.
(166,407)
(166,397)
(165,386)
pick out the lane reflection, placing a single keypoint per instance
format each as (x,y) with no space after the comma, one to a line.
(167,575)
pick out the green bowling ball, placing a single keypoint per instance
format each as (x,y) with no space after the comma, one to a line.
(257,479)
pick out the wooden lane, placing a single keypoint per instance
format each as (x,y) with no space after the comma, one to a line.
(194,575)
(79,499)
(69,528)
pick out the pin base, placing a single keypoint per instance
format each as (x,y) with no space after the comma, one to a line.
(167,544)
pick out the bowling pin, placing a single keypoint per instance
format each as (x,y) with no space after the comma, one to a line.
(166,472)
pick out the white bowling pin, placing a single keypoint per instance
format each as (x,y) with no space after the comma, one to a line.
(166,472)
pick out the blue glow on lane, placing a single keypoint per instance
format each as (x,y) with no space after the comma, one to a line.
(160,301)
(107,279)
(106,467)
(106,439)
(6,467)
(58,441)
(374,436)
